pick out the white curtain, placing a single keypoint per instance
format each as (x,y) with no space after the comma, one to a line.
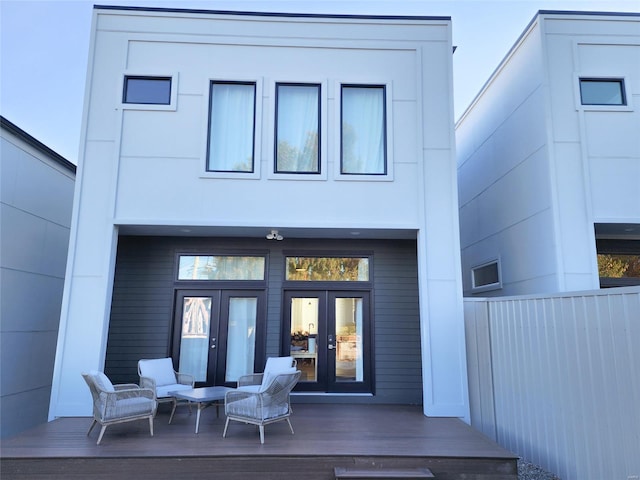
(194,346)
(241,337)
(232,123)
(297,128)
(363,130)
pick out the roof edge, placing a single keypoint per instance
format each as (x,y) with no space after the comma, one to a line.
(588,13)
(37,144)
(272,14)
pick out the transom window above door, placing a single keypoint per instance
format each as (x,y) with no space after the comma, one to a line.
(221,267)
(327,269)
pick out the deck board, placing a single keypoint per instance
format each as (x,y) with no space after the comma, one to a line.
(329,434)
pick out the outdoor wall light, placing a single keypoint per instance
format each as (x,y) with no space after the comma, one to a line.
(274,235)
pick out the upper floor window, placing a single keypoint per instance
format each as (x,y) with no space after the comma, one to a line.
(363,130)
(147,90)
(297,128)
(602,91)
(231,127)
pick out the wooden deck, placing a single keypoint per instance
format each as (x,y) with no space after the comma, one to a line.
(381,437)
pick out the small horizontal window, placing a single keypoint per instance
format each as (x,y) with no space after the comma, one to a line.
(147,90)
(602,91)
(486,276)
(328,269)
(220,267)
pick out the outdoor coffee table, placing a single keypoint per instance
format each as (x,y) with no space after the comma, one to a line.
(203,397)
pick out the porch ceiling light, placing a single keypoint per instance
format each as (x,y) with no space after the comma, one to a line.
(274,235)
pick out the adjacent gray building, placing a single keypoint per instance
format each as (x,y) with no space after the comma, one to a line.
(36,196)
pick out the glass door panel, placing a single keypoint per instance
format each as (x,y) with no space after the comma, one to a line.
(304,332)
(218,334)
(349,348)
(241,337)
(327,333)
(195,331)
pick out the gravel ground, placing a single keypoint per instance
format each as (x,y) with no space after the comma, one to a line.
(530,471)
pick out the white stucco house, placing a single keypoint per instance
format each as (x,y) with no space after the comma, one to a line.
(36,196)
(548,158)
(253,185)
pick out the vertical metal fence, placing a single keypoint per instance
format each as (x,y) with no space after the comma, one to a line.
(556,379)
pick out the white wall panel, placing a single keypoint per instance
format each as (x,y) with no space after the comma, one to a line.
(564,375)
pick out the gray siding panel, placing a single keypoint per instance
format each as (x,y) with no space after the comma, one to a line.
(143,298)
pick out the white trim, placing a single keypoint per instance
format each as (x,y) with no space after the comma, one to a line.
(578,76)
(489,286)
(173,102)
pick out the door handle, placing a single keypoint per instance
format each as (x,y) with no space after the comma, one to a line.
(331,347)
(331,342)
(213,343)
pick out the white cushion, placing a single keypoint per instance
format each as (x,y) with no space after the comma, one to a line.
(278,364)
(268,377)
(160,369)
(250,388)
(163,391)
(248,407)
(130,407)
(102,381)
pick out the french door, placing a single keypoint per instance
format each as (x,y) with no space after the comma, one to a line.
(328,333)
(217,334)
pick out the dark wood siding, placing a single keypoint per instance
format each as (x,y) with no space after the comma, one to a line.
(143,303)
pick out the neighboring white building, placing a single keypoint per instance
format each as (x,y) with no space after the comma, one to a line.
(549,158)
(36,196)
(202,133)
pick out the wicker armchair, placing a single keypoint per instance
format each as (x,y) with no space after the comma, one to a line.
(158,375)
(118,403)
(268,405)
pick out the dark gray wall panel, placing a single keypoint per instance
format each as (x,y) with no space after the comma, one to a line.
(142,306)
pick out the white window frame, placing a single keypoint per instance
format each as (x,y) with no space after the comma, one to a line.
(489,286)
(173,102)
(258,120)
(628,107)
(270,125)
(349,177)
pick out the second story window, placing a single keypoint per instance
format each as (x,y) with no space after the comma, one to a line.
(147,90)
(297,128)
(363,130)
(231,127)
(602,91)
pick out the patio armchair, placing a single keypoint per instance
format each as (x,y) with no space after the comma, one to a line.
(269,404)
(254,381)
(158,375)
(118,403)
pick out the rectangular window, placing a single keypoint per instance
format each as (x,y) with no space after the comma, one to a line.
(363,130)
(328,269)
(147,90)
(602,91)
(486,276)
(297,128)
(227,267)
(231,127)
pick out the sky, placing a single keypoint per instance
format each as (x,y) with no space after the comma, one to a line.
(44,47)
